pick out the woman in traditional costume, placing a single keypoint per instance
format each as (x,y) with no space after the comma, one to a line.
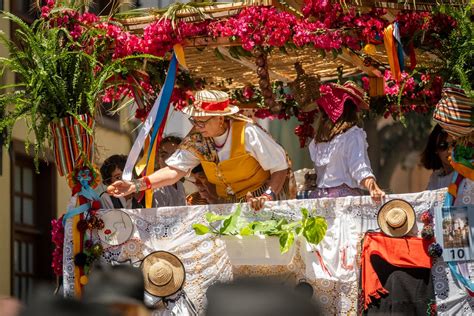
(339,148)
(238,157)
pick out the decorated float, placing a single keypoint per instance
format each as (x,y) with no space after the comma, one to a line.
(275,59)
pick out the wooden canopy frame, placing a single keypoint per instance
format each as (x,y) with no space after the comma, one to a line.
(229,72)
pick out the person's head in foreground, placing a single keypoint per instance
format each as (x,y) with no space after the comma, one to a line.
(257,297)
(121,288)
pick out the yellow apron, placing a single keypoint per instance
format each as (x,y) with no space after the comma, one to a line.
(239,174)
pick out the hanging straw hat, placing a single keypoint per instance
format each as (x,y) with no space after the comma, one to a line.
(211,103)
(334,96)
(163,272)
(396,218)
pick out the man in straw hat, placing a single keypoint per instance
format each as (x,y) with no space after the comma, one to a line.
(238,157)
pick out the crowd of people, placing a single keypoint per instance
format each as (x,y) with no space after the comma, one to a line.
(119,290)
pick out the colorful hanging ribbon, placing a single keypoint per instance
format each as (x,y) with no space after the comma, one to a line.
(392,55)
(468,284)
(398,41)
(153,121)
(86,192)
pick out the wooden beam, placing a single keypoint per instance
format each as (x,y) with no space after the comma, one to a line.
(197,14)
(207,41)
(357,61)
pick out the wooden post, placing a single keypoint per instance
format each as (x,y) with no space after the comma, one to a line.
(376,86)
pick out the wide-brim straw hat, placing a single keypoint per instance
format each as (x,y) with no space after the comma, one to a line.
(163,272)
(332,100)
(396,218)
(211,103)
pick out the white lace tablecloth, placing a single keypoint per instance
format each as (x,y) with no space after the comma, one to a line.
(206,261)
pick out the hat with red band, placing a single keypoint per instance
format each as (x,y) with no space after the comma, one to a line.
(211,103)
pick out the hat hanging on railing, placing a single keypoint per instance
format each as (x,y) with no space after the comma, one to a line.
(163,272)
(396,218)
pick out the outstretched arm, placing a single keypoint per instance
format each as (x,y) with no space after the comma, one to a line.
(160,178)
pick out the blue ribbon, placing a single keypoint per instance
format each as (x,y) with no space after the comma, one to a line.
(87,192)
(76,211)
(163,100)
(453,266)
(400,54)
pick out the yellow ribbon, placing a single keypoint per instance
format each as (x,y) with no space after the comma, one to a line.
(453,189)
(463,170)
(141,164)
(76,244)
(391,48)
(150,168)
(179,52)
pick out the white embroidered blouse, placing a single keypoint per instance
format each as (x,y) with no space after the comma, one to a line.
(343,160)
(439,180)
(261,146)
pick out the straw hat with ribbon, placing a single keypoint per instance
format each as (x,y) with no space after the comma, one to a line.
(163,272)
(211,103)
(396,218)
(334,96)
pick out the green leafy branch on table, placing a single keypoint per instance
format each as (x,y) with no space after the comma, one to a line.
(313,229)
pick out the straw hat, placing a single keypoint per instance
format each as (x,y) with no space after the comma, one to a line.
(211,103)
(163,272)
(396,218)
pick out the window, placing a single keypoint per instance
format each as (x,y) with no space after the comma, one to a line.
(32,208)
(24,9)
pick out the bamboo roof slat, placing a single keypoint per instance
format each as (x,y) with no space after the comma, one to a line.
(231,74)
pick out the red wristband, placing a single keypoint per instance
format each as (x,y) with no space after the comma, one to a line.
(147,182)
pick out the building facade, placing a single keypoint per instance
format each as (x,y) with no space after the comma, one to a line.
(30,200)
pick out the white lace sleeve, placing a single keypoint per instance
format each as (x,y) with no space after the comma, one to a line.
(183,160)
(264,149)
(357,156)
